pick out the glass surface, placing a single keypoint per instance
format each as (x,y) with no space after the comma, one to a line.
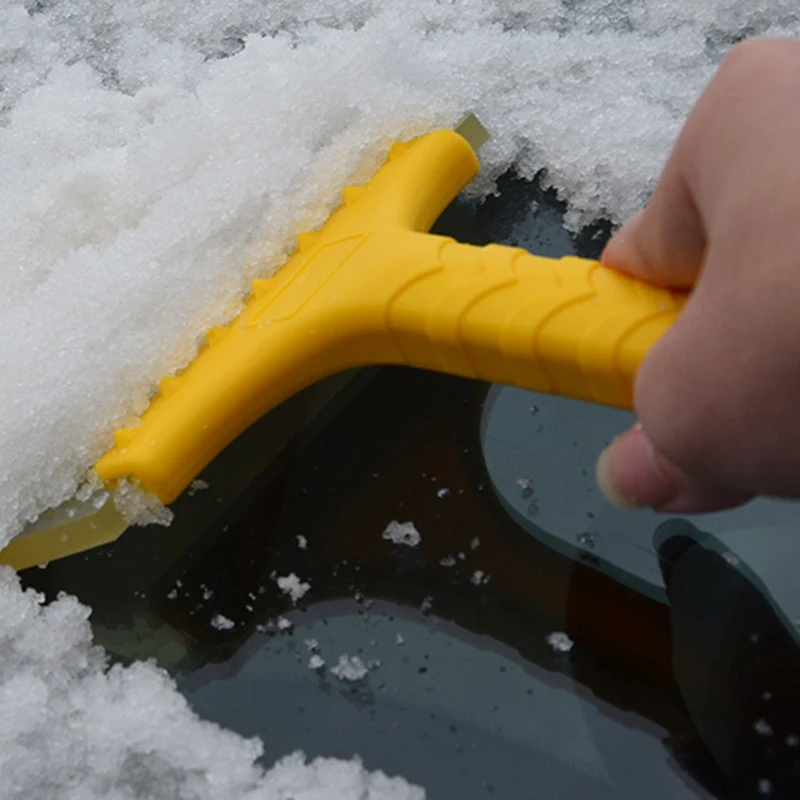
(683,678)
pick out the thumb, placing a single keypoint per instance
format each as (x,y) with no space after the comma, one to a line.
(632,474)
(663,244)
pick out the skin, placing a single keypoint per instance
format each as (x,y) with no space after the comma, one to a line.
(718,398)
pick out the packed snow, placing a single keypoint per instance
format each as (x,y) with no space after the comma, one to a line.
(153,163)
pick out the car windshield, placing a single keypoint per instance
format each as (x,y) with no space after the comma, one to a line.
(423,574)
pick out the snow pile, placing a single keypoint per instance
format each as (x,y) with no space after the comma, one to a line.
(71,727)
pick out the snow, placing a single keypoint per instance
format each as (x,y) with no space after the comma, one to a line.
(222,623)
(404,533)
(153,163)
(763,728)
(479,578)
(316,661)
(70,726)
(764,786)
(560,642)
(293,586)
(350,668)
(146,179)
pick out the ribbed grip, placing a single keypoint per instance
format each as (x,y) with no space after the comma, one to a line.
(570,326)
(372,287)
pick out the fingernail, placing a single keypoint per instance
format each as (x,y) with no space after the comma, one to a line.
(617,252)
(629,476)
(607,483)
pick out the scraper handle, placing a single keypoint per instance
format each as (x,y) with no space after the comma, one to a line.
(568,326)
(373,287)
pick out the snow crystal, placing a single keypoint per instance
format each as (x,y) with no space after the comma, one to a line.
(402,533)
(284,624)
(560,642)
(70,726)
(302,542)
(197,485)
(293,586)
(350,668)
(763,728)
(586,539)
(222,623)
(731,558)
(316,661)
(479,578)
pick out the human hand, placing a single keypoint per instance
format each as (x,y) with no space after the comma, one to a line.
(718,398)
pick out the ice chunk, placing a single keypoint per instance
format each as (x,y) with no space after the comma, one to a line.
(222,623)
(316,661)
(763,728)
(560,642)
(479,578)
(350,668)
(293,586)
(402,533)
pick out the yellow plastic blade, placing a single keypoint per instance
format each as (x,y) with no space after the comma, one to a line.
(64,531)
(373,287)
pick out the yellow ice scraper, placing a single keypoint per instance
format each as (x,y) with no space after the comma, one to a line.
(373,286)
